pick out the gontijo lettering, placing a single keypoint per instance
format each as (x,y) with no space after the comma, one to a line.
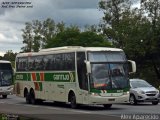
(61,77)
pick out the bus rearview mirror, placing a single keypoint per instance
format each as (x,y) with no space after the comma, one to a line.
(132,66)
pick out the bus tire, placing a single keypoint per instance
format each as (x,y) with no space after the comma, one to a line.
(25,92)
(28,98)
(73,101)
(107,106)
(32,97)
(39,101)
(4,96)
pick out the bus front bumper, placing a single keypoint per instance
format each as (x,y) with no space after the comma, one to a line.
(108,99)
(6,91)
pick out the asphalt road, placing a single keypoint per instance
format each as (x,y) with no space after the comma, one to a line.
(14,105)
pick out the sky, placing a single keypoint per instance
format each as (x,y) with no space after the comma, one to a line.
(13,17)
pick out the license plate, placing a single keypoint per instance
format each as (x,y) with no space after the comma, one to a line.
(152,98)
(111,99)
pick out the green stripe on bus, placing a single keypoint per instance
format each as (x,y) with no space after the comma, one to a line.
(110,91)
(56,77)
(40,85)
(37,76)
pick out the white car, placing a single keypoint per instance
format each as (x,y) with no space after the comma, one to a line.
(142,91)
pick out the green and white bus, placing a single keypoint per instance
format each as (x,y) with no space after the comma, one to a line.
(75,75)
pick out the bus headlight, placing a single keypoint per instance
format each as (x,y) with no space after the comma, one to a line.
(10,88)
(126,93)
(95,94)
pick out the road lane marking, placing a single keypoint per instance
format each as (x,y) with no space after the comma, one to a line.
(80,111)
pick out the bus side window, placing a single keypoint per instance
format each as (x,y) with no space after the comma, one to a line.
(21,64)
(48,65)
(81,70)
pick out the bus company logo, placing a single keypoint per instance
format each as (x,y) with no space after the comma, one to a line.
(63,77)
(19,77)
(71,77)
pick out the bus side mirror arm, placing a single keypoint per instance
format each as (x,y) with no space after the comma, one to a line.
(132,65)
(88,66)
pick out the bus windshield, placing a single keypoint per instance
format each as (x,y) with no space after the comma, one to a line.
(109,70)
(5,74)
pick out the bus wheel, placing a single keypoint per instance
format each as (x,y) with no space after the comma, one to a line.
(4,96)
(28,98)
(32,97)
(39,101)
(73,101)
(107,106)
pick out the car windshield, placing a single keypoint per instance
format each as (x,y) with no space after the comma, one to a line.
(139,83)
(109,70)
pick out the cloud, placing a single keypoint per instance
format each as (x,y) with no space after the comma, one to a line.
(12,20)
(10,36)
(66,4)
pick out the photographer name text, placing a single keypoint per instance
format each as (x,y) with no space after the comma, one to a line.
(16,5)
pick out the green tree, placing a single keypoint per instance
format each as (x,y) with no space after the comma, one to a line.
(27,37)
(151,8)
(66,37)
(37,34)
(10,56)
(48,31)
(136,30)
(125,27)
(114,11)
(37,37)
(92,39)
(72,36)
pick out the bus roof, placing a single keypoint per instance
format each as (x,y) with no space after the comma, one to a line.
(80,48)
(4,61)
(68,49)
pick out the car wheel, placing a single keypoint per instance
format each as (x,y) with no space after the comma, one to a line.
(132,100)
(155,102)
(4,96)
